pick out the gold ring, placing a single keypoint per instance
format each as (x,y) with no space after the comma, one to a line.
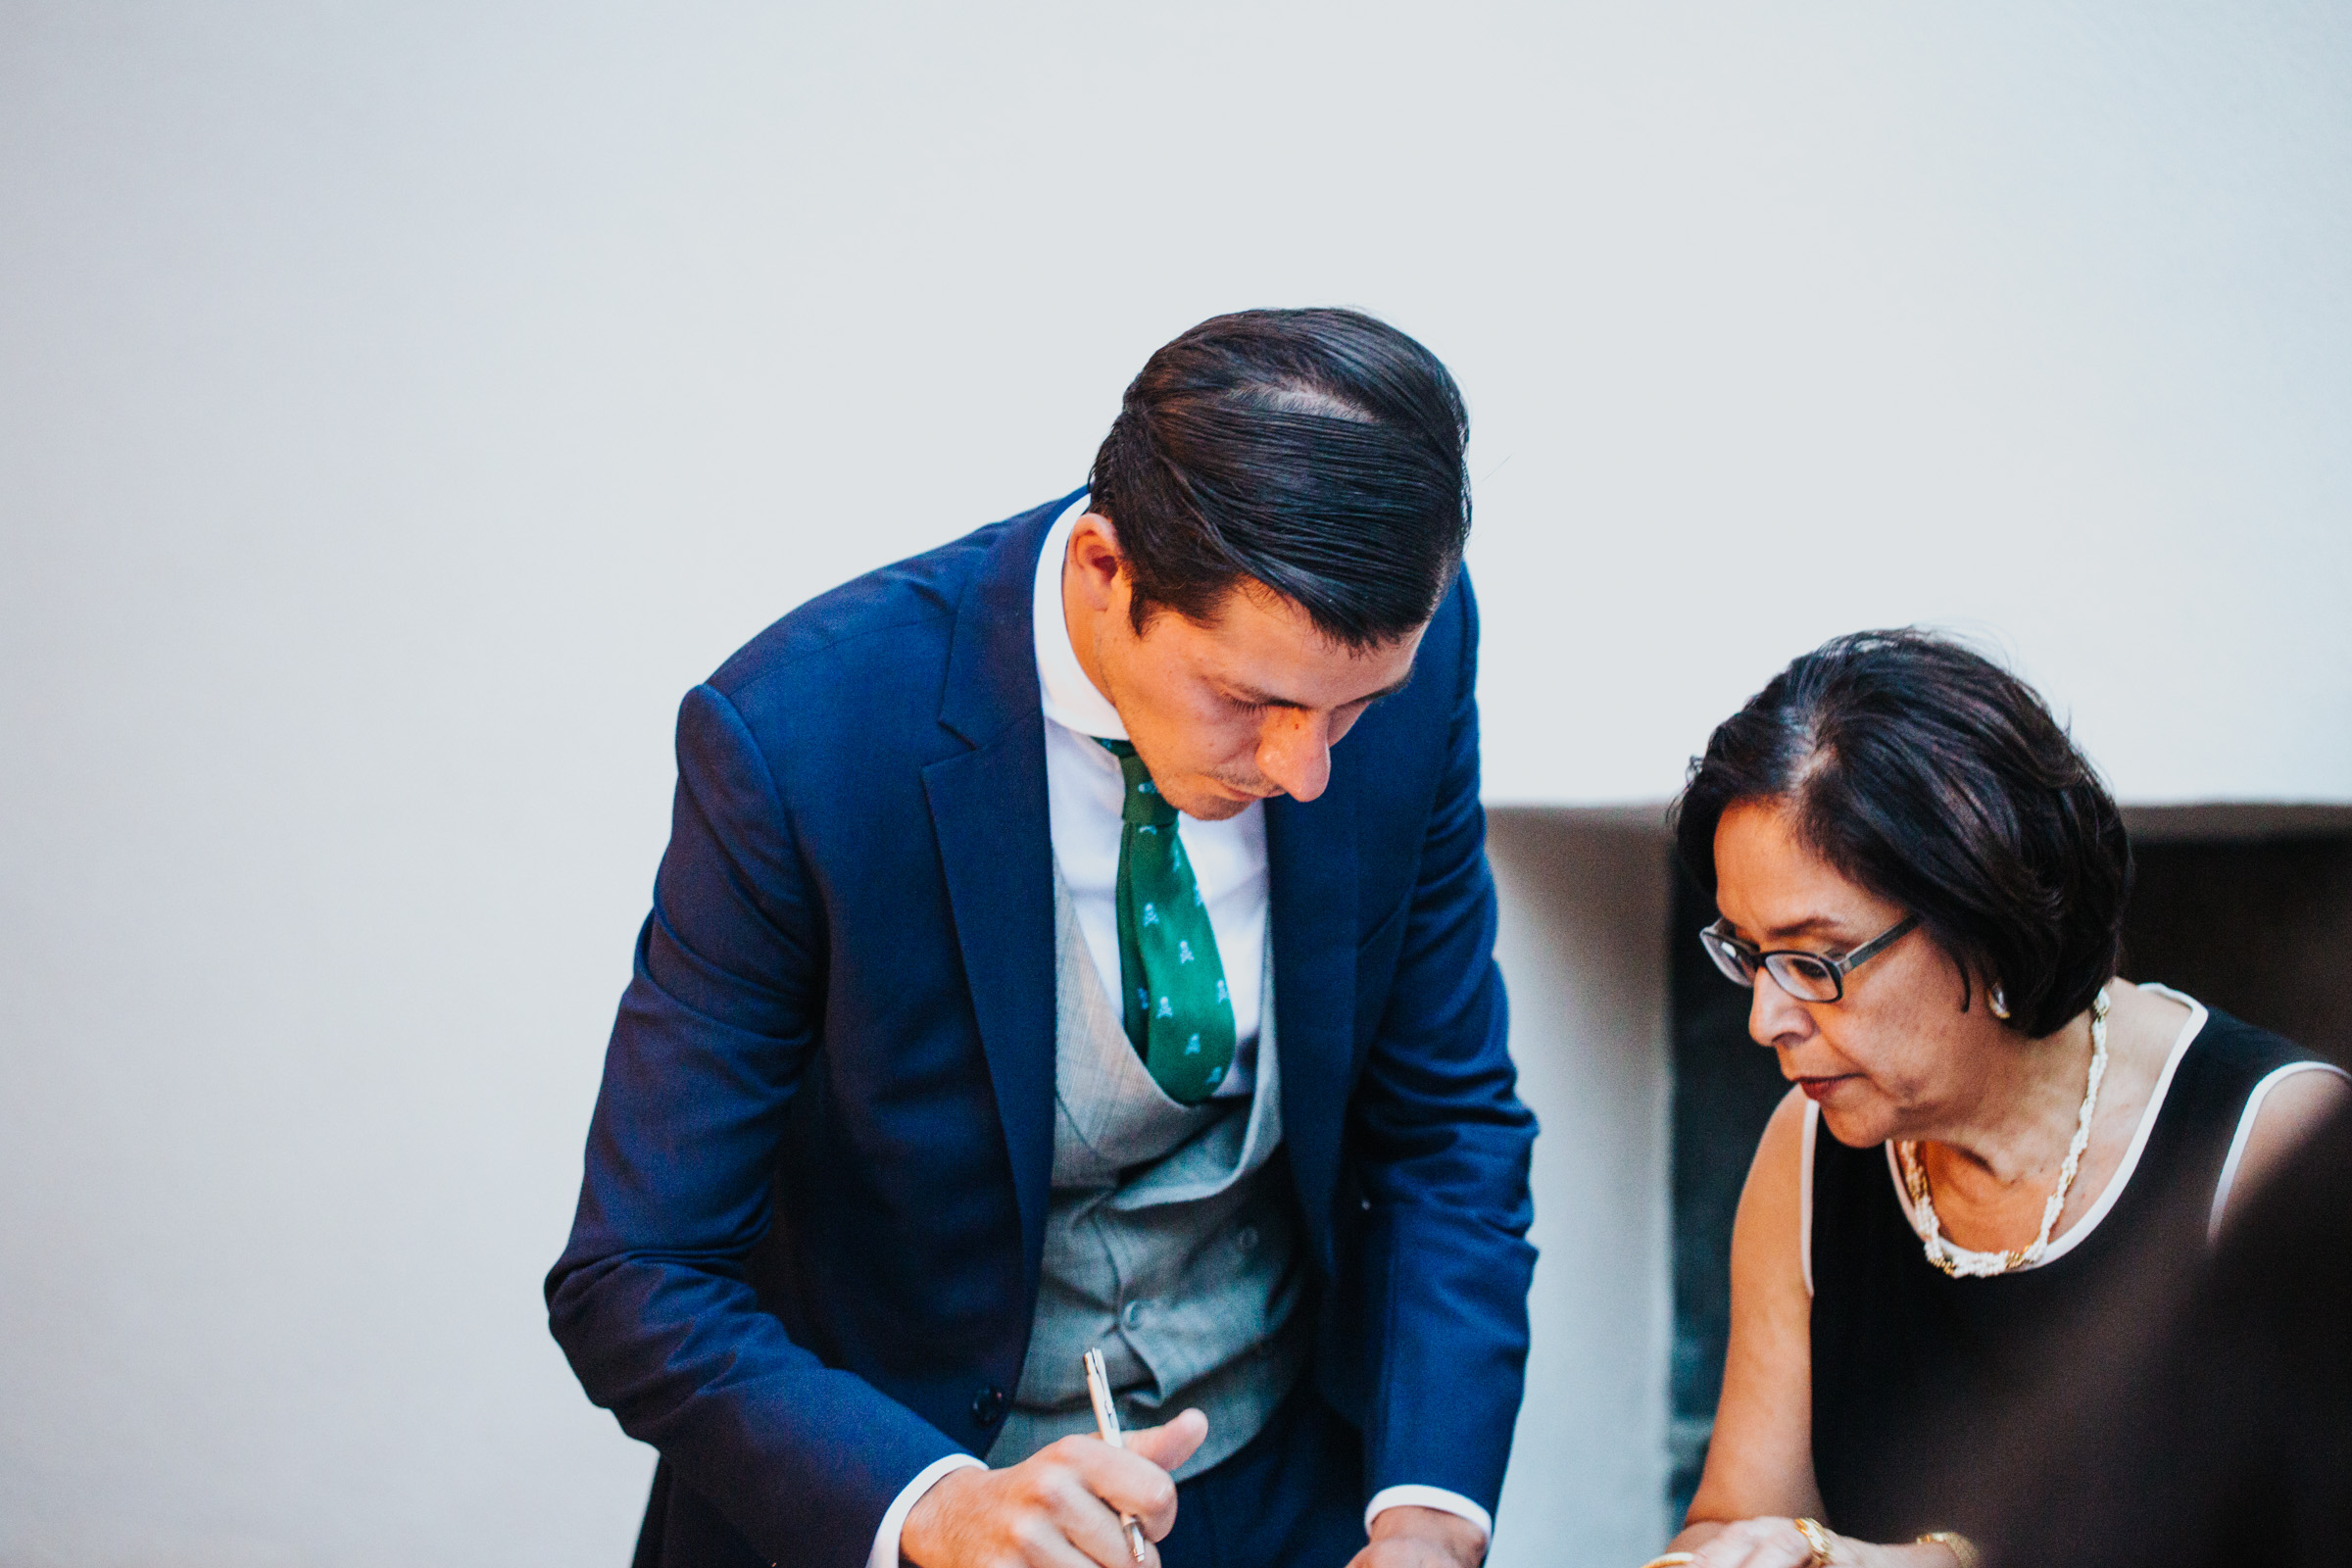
(1672,1559)
(1816,1538)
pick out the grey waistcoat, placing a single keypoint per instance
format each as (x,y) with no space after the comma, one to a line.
(1169,1240)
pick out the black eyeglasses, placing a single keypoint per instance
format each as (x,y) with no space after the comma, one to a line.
(1806,976)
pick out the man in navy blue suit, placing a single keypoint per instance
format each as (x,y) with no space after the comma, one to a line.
(951,1047)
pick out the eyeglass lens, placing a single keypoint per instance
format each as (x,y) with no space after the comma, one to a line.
(1800,974)
(1805,976)
(1733,960)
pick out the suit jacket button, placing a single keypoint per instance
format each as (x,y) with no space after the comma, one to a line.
(987,1406)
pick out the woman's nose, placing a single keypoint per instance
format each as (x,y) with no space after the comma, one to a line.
(1774,1015)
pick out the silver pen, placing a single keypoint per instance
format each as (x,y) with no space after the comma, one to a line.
(1107,1422)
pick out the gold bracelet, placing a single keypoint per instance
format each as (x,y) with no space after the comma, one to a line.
(1953,1542)
(1817,1538)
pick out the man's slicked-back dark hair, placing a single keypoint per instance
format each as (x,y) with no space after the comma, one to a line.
(1318,452)
(1929,775)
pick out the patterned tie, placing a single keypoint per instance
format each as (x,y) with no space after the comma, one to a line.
(1178,1012)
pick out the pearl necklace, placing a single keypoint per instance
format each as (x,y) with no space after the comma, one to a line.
(1958,1261)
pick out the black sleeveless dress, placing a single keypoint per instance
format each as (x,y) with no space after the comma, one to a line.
(1913,1370)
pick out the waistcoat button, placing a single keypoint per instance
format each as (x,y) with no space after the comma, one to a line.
(1246,1237)
(987,1406)
(1133,1316)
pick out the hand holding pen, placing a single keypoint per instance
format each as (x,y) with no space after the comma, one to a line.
(1074,1494)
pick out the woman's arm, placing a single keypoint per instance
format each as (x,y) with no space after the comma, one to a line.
(1759,1474)
(1761,1459)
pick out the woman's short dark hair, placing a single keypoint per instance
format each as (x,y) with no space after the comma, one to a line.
(1929,775)
(1318,452)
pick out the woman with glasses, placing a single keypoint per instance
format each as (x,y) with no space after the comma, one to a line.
(1923,881)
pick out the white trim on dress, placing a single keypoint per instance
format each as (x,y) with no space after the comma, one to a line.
(2061,1245)
(2075,1234)
(2073,1237)
(1804,1192)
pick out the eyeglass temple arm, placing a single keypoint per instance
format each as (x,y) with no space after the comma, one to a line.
(1877,945)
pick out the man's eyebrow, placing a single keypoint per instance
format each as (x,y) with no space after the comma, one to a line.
(1257,699)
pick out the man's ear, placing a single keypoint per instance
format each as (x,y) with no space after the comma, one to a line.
(1097,562)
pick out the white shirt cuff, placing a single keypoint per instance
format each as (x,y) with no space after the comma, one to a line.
(1437,1498)
(885,1538)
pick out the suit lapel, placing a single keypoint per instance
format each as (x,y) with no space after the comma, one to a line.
(1312,876)
(989,812)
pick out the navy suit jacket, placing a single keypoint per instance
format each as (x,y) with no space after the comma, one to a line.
(805,1263)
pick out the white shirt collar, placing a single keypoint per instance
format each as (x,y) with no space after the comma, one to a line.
(1070,699)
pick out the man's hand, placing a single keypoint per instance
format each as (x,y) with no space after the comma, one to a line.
(1422,1537)
(1057,1509)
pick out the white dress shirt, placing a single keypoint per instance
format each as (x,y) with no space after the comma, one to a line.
(1084,788)
(1084,791)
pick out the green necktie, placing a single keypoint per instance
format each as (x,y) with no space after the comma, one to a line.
(1177,1010)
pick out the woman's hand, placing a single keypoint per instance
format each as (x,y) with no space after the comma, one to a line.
(1772,1543)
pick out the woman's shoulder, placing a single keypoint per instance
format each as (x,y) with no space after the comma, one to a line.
(1786,1128)
(1775,1176)
(1770,1252)
(2283,1092)
(2287,1108)
(2246,1092)
(1769,1229)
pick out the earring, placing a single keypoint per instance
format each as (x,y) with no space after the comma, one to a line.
(1997,1003)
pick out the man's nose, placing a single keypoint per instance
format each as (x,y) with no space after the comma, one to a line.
(1294,752)
(1774,1015)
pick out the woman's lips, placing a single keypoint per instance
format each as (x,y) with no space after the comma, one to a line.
(1819,1089)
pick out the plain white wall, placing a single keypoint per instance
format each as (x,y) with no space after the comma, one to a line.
(400,405)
